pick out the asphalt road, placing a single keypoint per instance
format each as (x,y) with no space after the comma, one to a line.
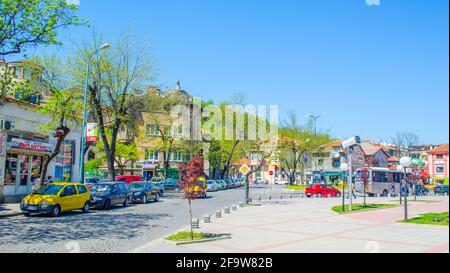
(118,230)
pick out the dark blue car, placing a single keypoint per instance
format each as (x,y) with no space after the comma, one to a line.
(441,189)
(144,191)
(108,194)
(171,185)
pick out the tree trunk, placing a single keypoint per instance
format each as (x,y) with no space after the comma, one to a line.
(190,217)
(49,158)
(228,164)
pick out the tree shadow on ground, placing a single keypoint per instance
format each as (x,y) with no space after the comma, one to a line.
(77,226)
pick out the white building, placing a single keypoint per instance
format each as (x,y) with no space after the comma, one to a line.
(23,146)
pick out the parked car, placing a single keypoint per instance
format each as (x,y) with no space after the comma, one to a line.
(160,185)
(128,178)
(321,190)
(171,184)
(144,191)
(212,185)
(91,181)
(441,189)
(107,195)
(222,184)
(229,183)
(55,198)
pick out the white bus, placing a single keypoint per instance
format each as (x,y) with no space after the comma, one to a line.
(379,181)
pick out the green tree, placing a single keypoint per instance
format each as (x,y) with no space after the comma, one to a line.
(63,109)
(28,23)
(117,76)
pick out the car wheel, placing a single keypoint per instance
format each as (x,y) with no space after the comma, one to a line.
(55,211)
(161,193)
(319,195)
(144,199)
(126,203)
(156,198)
(107,205)
(338,195)
(86,207)
(385,193)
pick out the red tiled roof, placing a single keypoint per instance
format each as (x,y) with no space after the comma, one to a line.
(242,162)
(335,143)
(443,149)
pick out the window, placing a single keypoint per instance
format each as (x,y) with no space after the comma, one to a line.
(152,155)
(440,169)
(11,169)
(439,157)
(379,177)
(176,156)
(336,163)
(151,130)
(320,163)
(69,191)
(65,161)
(82,189)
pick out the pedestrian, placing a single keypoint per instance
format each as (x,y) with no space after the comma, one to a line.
(354,191)
(48,180)
(393,191)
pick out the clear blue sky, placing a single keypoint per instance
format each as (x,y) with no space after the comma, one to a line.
(375,70)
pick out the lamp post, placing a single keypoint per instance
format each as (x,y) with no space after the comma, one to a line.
(344,168)
(83,133)
(400,169)
(315,118)
(405,162)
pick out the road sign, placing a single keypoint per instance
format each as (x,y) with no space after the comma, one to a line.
(271,173)
(244,169)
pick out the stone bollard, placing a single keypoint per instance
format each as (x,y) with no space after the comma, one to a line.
(207,219)
(290,196)
(218,214)
(270,197)
(195,223)
(281,196)
(227,210)
(241,204)
(250,200)
(259,198)
(234,207)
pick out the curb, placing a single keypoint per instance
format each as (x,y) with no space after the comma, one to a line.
(12,214)
(199,241)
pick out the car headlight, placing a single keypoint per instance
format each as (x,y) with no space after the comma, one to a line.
(137,193)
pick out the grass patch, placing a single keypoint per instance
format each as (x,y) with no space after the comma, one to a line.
(362,207)
(438,219)
(186,236)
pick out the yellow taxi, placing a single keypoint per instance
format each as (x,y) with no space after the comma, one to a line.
(55,198)
(431,186)
(200,187)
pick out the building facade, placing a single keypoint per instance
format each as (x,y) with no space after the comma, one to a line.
(438,163)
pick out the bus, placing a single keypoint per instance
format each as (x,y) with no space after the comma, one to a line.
(379,181)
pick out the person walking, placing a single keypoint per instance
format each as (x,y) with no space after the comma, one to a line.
(393,191)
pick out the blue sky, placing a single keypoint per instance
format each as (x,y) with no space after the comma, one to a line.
(375,70)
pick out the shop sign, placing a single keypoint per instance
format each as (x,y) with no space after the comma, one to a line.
(32,145)
(92,132)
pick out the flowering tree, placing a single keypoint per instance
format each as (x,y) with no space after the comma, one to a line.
(190,174)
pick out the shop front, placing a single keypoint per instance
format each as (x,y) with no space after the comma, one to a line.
(23,164)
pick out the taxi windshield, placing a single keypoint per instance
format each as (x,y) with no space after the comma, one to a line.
(49,190)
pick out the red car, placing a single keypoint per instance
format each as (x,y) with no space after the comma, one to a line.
(320,190)
(128,178)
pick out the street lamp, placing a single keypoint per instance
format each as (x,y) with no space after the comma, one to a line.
(344,168)
(401,170)
(83,133)
(405,162)
(315,118)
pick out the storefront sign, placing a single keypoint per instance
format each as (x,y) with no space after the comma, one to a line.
(92,132)
(32,145)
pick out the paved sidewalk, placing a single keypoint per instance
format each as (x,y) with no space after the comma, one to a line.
(9,210)
(308,225)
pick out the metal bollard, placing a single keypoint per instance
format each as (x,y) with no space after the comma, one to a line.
(195,223)
(270,197)
(259,198)
(207,219)
(218,214)
(227,210)
(281,196)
